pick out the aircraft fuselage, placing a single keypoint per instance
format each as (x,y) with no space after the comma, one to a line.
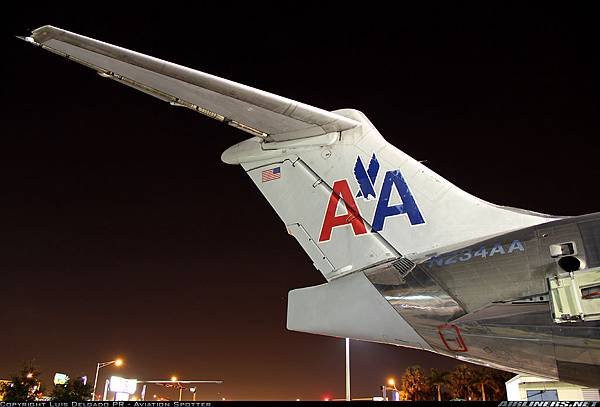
(525,300)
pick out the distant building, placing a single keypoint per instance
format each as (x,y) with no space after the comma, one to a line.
(521,388)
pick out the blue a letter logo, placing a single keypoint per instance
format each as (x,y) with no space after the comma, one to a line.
(408,206)
(393,179)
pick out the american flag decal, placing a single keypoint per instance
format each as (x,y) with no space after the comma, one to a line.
(270,175)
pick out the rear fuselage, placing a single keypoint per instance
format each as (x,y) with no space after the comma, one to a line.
(500,302)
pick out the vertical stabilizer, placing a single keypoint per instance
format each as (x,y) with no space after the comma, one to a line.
(352,200)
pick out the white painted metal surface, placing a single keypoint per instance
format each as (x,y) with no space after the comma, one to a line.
(349,307)
(261,113)
(300,200)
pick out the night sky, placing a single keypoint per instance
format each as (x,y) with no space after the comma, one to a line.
(123,233)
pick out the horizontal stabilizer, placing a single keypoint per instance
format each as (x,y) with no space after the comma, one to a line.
(260,113)
(349,307)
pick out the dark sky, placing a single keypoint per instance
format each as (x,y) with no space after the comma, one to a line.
(124,234)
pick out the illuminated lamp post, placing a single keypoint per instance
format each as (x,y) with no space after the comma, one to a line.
(174,379)
(392,383)
(100,365)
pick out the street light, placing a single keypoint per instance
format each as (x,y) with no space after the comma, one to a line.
(392,384)
(174,379)
(117,362)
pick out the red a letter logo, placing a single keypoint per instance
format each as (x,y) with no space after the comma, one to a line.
(341,189)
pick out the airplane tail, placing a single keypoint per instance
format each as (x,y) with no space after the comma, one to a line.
(353,200)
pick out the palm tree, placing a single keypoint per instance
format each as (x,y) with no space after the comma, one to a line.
(480,378)
(414,383)
(500,377)
(460,381)
(438,379)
